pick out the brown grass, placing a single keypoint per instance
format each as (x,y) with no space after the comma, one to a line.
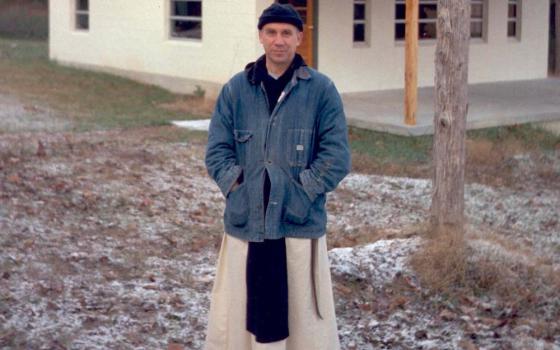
(191,105)
(363,163)
(482,152)
(457,266)
(441,263)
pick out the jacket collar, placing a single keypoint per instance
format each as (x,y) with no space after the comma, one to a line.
(256,71)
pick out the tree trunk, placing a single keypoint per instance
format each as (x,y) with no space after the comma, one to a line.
(557,35)
(451,78)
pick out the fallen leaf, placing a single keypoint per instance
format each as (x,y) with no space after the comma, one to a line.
(447,315)
(175,346)
(15,179)
(41,150)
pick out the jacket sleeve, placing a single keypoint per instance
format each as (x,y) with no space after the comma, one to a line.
(332,161)
(220,150)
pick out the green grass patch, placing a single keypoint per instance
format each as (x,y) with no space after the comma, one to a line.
(527,134)
(91,100)
(385,147)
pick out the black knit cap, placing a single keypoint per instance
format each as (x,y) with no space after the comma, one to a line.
(280,13)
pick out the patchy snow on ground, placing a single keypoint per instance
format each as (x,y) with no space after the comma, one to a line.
(378,263)
(200,124)
(16,116)
(381,202)
(109,242)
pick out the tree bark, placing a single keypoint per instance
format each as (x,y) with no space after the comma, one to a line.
(451,104)
(557,41)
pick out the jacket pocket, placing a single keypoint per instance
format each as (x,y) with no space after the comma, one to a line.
(242,138)
(299,143)
(237,206)
(298,204)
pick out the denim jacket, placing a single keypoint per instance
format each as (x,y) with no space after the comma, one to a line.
(303,145)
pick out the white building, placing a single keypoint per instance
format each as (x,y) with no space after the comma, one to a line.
(180,44)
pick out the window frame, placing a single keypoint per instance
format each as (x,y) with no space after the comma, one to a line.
(78,12)
(483,20)
(365,22)
(515,20)
(420,20)
(171,18)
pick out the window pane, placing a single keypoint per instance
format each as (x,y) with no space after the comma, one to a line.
(194,8)
(82,5)
(428,11)
(400,12)
(359,11)
(359,32)
(512,29)
(512,10)
(427,30)
(180,8)
(186,29)
(476,29)
(82,21)
(187,8)
(399,31)
(476,11)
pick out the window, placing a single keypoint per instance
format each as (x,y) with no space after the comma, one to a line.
(477,19)
(427,19)
(360,21)
(186,19)
(513,18)
(82,14)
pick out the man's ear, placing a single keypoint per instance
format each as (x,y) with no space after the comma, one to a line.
(299,37)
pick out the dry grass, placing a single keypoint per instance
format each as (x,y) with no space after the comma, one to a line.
(87,99)
(486,265)
(363,163)
(191,105)
(441,263)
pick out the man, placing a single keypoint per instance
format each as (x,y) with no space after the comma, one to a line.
(277,144)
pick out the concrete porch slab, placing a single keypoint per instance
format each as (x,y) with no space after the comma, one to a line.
(490,104)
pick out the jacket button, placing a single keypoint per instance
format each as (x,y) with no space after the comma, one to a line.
(269,162)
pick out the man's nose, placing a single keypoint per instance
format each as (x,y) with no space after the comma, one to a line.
(278,41)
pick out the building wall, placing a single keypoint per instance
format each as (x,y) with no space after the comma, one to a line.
(498,58)
(134,41)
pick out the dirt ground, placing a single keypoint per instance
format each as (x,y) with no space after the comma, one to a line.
(109,241)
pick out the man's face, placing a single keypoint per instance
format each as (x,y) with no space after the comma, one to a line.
(280,41)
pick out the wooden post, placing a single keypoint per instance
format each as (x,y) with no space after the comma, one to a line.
(411,63)
(557,41)
(451,105)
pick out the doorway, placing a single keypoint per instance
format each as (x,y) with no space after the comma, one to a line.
(305,9)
